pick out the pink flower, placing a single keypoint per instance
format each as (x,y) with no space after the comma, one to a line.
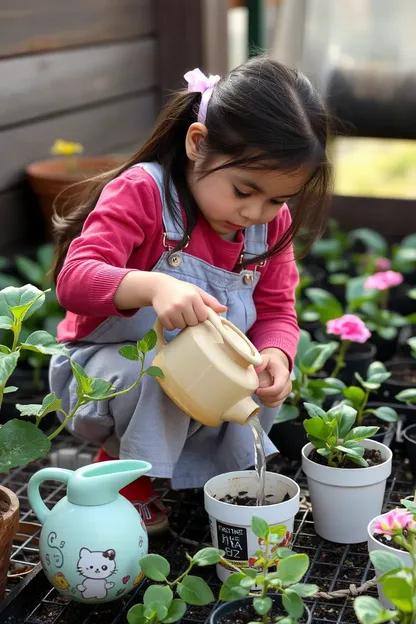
(384,280)
(393,522)
(383,264)
(349,327)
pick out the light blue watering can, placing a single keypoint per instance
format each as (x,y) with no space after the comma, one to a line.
(93,539)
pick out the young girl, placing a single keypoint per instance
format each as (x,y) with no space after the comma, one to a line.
(197,218)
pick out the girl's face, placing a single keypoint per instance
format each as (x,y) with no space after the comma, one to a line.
(235,198)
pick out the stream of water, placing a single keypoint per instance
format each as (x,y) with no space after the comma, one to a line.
(259,457)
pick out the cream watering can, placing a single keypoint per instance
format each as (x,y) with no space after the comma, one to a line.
(209,371)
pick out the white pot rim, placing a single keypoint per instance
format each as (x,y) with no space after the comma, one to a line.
(216,507)
(349,477)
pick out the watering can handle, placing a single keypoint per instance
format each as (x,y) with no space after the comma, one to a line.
(35,499)
(218,322)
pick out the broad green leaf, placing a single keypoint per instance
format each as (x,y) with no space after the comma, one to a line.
(158,593)
(284,552)
(155,609)
(317,428)
(10,389)
(195,591)
(20,303)
(259,527)
(154,371)
(378,378)
(354,394)
(305,342)
(148,342)
(42,342)
(316,357)
(293,604)
(84,382)
(292,569)
(388,333)
(360,461)
(33,409)
(45,255)
(362,433)
(262,605)
(8,362)
(388,414)
(366,384)
(176,611)
(400,592)
(407,396)
(6,322)
(346,419)
(129,352)
(155,567)
(332,382)
(135,615)
(21,443)
(356,447)
(30,270)
(325,452)
(356,293)
(100,388)
(50,403)
(370,611)
(314,411)
(207,556)
(231,589)
(372,240)
(384,561)
(327,306)
(250,572)
(304,590)
(286,413)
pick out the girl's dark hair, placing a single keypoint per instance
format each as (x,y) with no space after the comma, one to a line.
(262,115)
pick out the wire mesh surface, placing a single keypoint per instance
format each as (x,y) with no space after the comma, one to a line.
(333,566)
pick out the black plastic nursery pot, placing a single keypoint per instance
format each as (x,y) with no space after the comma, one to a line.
(403,376)
(241,611)
(409,436)
(289,437)
(386,349)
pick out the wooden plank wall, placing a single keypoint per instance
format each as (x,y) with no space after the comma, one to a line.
(84,70)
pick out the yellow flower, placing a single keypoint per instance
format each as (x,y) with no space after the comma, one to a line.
(66,148)
(60,581)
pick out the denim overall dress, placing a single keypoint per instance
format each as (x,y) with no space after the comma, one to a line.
(144,423)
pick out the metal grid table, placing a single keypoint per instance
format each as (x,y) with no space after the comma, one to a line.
(332,566)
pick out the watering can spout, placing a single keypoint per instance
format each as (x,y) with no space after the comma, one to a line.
(99,484)
(241,411)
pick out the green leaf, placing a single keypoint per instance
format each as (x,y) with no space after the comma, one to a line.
(286,413)
(21,443)
(372,240)
(388,333)
(370,611)
(259,527)
(361,433)
(158,593)
(195,591)
(400,592)
(154,371)
(157,609)
(100,388)
(50,403)
(20,303)
(250,572)
(293,604)
(356,293)
(10,389)
(45,255)
(129,352)
(8,362)
(176,611)
(135,615)
(314,411)
(384,561)
(148,342)
(366,384)
(304,590)
(84,382)
(317,428)
(155,567)
(388,414)
(262,605)
(407,396)
(42,342)
(356,447)
(5,322)
(357,460)
(316,357)
(207,556)
(355,395)
(231,589)
(327,306)
(345,418)
(30,270)
(292,569)
(305,342)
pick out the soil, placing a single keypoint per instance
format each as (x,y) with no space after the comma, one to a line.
(406,375)
(4,507)
(387,540)
(373,458)
(247,614)
(243,500)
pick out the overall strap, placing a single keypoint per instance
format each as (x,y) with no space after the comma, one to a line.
(255,241)
(173,230)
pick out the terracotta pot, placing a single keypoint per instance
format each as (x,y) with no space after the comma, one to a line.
(50,178)
(9,522)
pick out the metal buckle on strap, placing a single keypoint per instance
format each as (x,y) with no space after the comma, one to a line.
(165,242)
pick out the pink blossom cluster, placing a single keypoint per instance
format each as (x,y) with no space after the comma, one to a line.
(394,521)
(349,327)
(383,280)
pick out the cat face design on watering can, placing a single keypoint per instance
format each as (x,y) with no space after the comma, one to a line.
(93,539)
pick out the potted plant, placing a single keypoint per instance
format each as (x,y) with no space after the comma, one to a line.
(9,522)
(409,434)
(230,502)
(403,373)
(346,473)
(332,252)
(55,180)
(396,570)
(287,432)
(270,590)
(22,441)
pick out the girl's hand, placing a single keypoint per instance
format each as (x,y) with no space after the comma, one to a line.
(178,304)
(274,376)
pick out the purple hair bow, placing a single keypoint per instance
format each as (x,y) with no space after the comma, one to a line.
(199,83)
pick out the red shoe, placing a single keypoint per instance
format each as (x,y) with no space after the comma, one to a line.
(143,496)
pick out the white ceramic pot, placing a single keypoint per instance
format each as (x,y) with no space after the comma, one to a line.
(373,544)
(344,500)
(231,524)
